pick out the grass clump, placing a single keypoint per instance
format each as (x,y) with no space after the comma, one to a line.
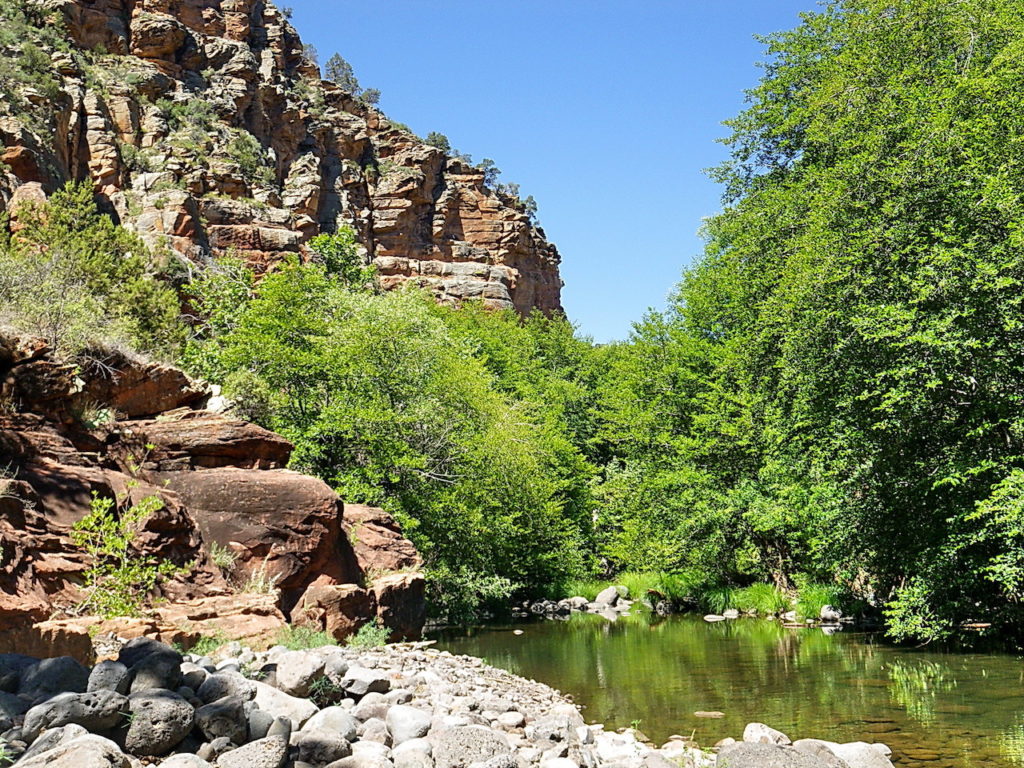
(762,599)
(372,635)
(297,638)
(813,596)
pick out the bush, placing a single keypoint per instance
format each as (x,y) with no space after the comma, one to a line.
(297,638)
(812,597)
(77,279)
(119,579)
(372,635)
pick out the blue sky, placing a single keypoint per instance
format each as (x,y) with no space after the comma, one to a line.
(606,111)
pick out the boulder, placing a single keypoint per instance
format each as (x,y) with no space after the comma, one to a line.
(280,704)
(226,683)
(203,440)
(135,387)
(338,609)
(52,676)
(358,681)
(405,723)
(96,711)
(459,747)
(297,671)
(335,720)
(759,733)
(87,751)
(750,755)
(377,541)
(401,604)
(269,752)
(607,597)
(159,721)
(109,675)
(224,717)
(320,747)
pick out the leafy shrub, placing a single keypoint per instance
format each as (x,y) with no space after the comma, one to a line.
(119,579)
(222,557)
(207,645)
(371,635)
(252,158)
(717,599)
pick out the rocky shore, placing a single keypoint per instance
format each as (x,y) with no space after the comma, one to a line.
(397,706)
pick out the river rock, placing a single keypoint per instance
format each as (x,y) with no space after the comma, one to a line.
(297,671)
(320,747)
(458,747)
(760,755)
(759,733)
(51,676)
(224,717)
(109,675)
(226,683)
(731,613)
(280,704)
(87,751)
(858,754)
(829,614)
(358,681)
(185,760)
(405,723)
(160,720)
(711,618)
(96,711)
(607,597)
(334,719)
(270,752)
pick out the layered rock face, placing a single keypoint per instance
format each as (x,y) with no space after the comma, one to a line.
(221,481)
(203,127)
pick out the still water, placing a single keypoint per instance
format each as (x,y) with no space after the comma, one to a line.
(934,709)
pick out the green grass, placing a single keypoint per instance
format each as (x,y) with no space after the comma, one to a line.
(717,599)
(303,638)
(587,588)
(763,599)
(813,596)
(369,636)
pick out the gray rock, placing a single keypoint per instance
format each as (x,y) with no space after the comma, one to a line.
(607,597)
(193,675)
(160,720)
(511,720)
(221,684)
(359,681)
(821,750)
(731,613)
(52,676)
(405,722)
(335,668)
(759,733)
(375,729)
(413,745)
(334,719)
(757,755)
(55,737)
(259,723)
(281,726)
(270,752)
(297,671)
(224,717)
(370,749)
(11,706)
(399,696)
(86,751)
(371,705)
(458,747)
(12,667)
(185,760)
(413,759)
(554,762)
(280,704)
(829,614)
(96,711)
(320,747)
(211,750)
(154,666)
(362,761)
(109,676)
(509,761)
(859,754)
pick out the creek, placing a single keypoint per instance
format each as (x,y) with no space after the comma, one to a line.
(934,709)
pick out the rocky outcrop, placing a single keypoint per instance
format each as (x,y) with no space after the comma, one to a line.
(205,128)
(220,480)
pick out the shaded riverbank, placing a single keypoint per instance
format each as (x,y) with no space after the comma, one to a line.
(933,709)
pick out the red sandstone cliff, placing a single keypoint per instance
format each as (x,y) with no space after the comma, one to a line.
(204,128)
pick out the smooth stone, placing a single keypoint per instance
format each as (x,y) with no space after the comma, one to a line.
(405,723)
(270,752)
(109,675)
(159,721)
(335,719)
(280,704)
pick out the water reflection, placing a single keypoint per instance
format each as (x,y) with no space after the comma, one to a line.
(932,708)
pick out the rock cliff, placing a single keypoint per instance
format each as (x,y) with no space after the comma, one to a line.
(204,127)
(221,481)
